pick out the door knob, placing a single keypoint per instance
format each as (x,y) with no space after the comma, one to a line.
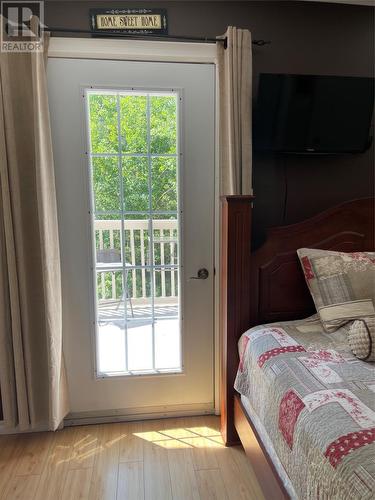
(202,274)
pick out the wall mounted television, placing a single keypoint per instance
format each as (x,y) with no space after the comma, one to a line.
(306,114)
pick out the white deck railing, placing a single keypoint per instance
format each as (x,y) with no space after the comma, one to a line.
(137,245)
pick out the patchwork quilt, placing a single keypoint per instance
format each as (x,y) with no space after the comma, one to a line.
(317,403)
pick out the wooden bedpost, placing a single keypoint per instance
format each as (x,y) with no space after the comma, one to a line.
(234,299)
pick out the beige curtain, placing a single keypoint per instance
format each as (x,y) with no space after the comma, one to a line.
(32,377)
(235,92)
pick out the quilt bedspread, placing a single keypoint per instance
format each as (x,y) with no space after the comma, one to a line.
(317,404)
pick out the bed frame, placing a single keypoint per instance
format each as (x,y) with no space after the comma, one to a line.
(267,286)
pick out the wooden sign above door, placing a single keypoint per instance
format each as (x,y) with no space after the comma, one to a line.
(132,21)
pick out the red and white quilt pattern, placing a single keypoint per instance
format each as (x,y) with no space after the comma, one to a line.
(358,411)
(280,335)
(319,363)
(290,407)
(285,344)
(344,445)
(307,383)
(277,351)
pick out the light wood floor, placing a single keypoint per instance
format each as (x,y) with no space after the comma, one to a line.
(179,459)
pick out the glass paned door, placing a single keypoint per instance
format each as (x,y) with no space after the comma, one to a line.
(141,135)
(134,168)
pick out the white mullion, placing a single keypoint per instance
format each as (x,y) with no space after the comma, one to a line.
(134,212)
(157,267)
(122,238)
(151,230)
(135,155)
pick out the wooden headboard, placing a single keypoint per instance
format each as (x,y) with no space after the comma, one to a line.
(278,288)
(268,285)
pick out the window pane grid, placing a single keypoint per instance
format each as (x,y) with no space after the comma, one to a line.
(161,241)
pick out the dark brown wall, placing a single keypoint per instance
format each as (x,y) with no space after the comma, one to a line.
(311,38)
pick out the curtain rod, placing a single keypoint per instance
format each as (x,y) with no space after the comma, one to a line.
(150,37)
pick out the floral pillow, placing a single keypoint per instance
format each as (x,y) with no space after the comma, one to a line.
(342,285)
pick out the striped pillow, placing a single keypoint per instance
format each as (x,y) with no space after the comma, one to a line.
(342,285)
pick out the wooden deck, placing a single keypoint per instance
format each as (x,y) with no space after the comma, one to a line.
(112,311)
(139,327)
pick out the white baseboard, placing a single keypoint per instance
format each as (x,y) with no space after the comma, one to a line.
(143,413)
(121,415)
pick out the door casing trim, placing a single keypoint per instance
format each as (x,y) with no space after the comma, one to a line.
(176,52)
(132,50)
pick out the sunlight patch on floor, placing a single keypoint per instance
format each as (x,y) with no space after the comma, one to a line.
(190,437)
(170,438)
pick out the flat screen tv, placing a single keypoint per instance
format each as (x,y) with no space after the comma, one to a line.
(313,114)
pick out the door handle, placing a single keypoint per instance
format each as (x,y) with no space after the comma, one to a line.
(202,274)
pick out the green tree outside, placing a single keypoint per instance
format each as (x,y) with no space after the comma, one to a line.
(128,133)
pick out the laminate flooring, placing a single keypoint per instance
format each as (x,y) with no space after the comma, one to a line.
(169,459)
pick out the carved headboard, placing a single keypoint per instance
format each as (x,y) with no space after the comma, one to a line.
(278,288)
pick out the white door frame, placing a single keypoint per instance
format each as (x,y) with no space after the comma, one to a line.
(137,50)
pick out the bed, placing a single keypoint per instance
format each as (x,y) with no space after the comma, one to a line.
(277,361)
